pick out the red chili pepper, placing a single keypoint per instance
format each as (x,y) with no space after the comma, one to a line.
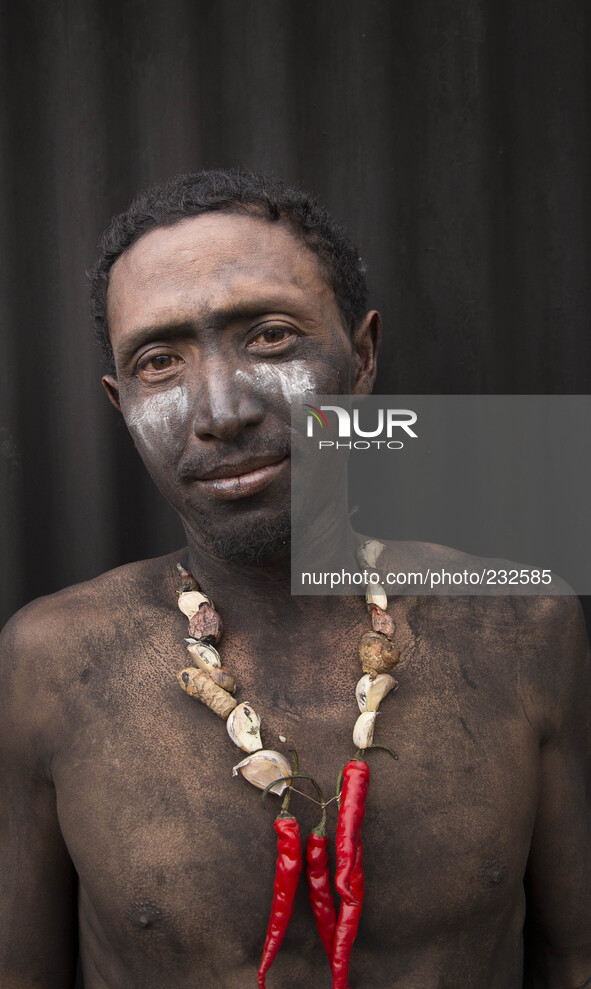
(347,924)
(353,794)
(287,874)
(319,889)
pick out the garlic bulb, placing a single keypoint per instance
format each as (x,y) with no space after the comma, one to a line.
(263,767)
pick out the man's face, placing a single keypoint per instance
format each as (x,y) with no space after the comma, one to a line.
(217,323)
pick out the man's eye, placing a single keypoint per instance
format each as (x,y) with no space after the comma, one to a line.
(157,362)
(160,362)
(272,334)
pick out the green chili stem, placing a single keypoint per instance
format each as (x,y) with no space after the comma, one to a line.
(284,812)
(320,828)
(384,747)
(360,755)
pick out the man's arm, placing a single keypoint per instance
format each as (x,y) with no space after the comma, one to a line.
(37,879)
(558,880)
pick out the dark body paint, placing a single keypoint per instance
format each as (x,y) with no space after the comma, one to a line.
(176,857)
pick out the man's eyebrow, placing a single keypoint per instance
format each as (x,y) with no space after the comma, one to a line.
(214,319)
(159,331)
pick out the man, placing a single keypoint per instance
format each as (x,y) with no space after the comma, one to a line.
(224,296)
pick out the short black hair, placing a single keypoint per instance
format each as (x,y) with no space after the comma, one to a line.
(230,191)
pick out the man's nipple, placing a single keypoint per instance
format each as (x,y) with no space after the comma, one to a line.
(145,915)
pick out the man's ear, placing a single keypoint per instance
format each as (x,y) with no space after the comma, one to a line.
(111,386)
(367,338)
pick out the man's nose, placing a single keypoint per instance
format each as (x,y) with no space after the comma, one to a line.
(227,403)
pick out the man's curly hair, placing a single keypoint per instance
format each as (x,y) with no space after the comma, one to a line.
(231,191)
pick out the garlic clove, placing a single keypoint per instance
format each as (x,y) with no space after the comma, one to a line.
(375,594)
(206,657)
(243,728)
(263,767)
(369,553)
(190,602)
(370,693)
(363,730)
(361,690)
(188,582)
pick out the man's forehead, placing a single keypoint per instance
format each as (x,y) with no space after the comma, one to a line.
(216,253)
(216,240)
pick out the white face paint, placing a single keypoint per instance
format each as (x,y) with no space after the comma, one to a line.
(292,380)
(156,416)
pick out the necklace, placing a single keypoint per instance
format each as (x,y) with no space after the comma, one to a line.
(270,771)
(208,681)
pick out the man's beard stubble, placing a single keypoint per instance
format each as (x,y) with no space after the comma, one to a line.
(237,540)
(252,544)
(264,540)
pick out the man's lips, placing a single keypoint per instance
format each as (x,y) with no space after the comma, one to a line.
(240,480)
(242,467)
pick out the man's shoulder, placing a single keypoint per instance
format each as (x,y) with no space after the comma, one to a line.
(446,570)
(523,604)
(53,626)
(48,647)
(538,638)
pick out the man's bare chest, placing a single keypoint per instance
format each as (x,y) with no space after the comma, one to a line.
(170,847)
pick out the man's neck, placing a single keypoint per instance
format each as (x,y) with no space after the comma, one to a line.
(213,571)
(266,585)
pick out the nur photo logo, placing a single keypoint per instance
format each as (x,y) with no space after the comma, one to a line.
(388,420)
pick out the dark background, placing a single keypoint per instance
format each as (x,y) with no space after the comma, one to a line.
(450,136)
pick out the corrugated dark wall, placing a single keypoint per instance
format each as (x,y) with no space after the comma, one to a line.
(451,136)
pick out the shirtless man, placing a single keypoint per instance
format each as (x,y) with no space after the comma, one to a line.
(118,803)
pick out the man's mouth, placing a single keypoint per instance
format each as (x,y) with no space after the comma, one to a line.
(230,481)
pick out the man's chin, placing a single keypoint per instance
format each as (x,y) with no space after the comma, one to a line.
(261,541)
